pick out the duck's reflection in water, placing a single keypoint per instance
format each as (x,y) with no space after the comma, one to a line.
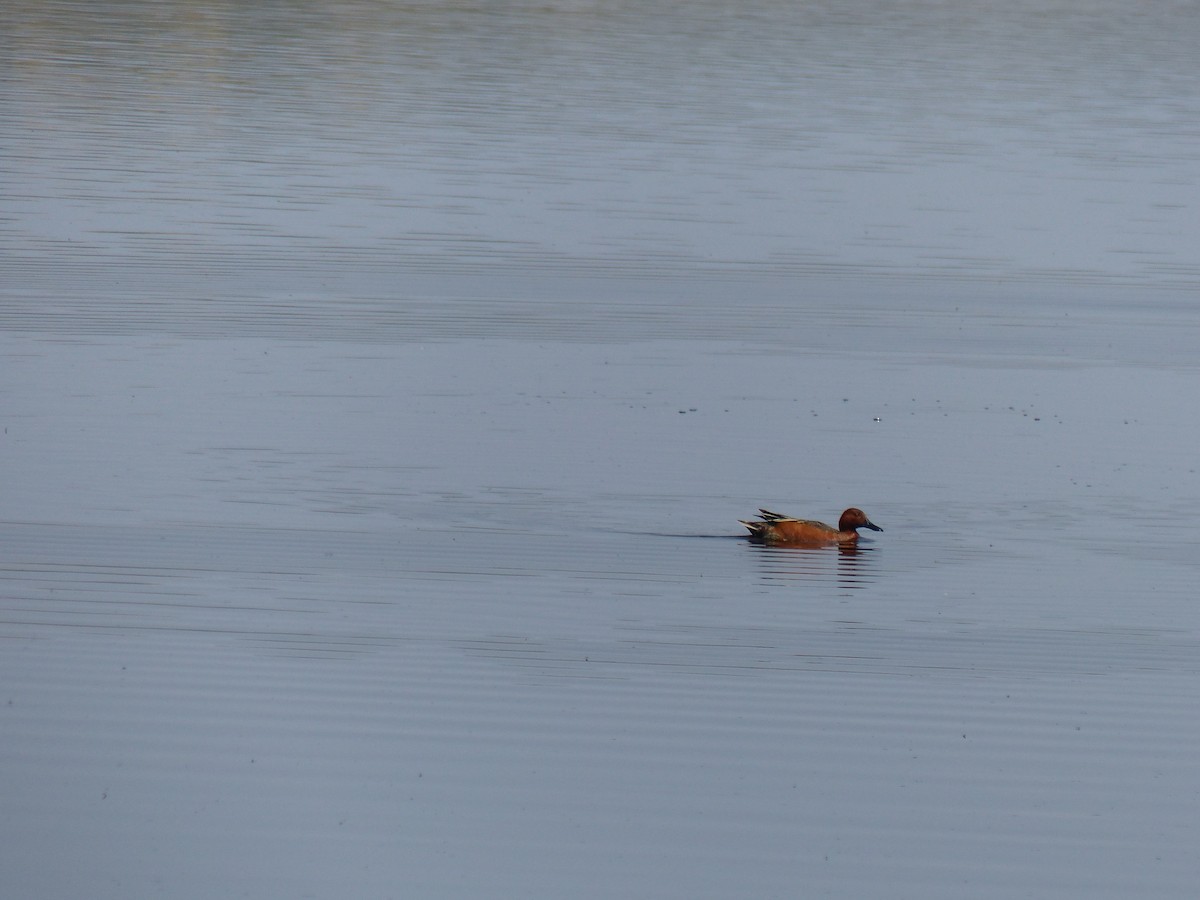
(851,564)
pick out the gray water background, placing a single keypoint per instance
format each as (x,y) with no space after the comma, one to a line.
(382,383)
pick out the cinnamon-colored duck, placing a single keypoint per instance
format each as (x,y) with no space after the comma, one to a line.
(772,528)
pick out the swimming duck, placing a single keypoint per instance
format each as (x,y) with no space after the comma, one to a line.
(772,528)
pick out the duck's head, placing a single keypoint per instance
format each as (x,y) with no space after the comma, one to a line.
(854,518)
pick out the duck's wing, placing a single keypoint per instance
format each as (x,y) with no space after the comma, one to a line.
(768,516)
(762,526)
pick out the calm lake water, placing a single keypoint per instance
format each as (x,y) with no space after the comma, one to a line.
(382,383)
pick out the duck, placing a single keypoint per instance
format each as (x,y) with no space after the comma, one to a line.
(779,530)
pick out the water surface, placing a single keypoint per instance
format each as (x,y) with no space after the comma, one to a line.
(382,386)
